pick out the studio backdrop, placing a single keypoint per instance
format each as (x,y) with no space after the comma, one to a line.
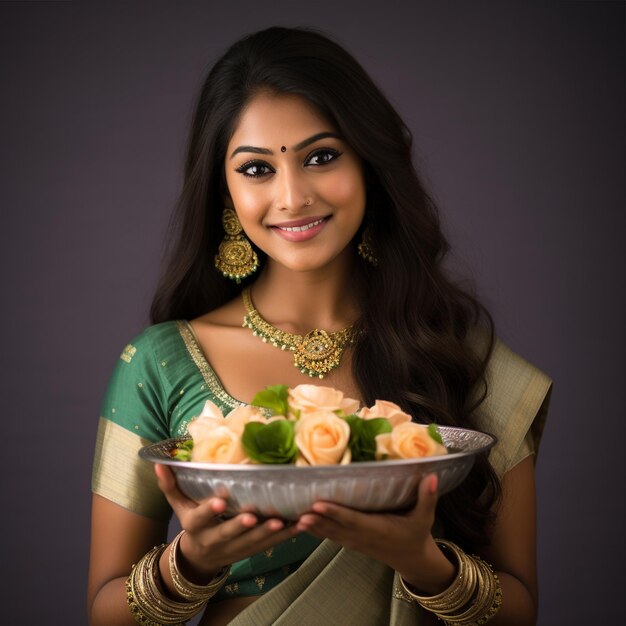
(517,114)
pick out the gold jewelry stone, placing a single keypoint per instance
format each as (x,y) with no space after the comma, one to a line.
(316,354)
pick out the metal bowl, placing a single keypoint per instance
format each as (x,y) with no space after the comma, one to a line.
(288,491)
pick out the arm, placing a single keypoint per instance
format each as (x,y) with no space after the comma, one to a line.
(404,542)
(119,538)
(512,551)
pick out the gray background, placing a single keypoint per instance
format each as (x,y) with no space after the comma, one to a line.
(517,111)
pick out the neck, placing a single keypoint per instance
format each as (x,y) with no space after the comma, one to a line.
(301,301)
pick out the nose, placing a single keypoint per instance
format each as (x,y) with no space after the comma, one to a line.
(292,190)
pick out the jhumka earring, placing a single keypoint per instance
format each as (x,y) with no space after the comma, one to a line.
(235,258)
(365,248)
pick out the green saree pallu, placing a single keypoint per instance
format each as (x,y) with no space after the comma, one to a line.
(161,382)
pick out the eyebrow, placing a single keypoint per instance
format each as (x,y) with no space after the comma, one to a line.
(298,146)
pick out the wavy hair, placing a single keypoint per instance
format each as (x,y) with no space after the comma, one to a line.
(419,346)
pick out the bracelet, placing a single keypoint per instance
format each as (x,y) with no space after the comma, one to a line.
(473,597)
(488,598)
(460,591)
(186,589)
(147,602)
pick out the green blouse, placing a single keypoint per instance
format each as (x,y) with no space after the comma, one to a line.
(160,383)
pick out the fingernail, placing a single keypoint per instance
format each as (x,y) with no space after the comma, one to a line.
(432,487)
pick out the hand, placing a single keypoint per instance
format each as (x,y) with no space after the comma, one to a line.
(401,541)
(210,543)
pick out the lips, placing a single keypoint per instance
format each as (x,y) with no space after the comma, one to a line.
(302,229)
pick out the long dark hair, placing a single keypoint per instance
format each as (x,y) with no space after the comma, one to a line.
(418,347)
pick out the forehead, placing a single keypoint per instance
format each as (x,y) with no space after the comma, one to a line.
(277,119)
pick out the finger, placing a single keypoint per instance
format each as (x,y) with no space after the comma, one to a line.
(265,535)
(327,526)
(238,542)
(310,522)
(178,500)
(340,514)
(427,496)
(357,538)
(231,528)
(245,522)
(354,520)
(207,513)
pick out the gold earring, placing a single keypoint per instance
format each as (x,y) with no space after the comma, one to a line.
(235,258)
(365,248)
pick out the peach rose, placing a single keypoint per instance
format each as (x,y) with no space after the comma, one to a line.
(388,410)
(407,441)
(221,445)
(217,439)
(322,439)
(312,398)
(211,417)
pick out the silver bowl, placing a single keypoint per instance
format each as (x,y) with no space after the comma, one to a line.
(288,491)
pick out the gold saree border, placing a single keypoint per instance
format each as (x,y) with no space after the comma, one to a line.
(516,406)
(120,475)
(197,356)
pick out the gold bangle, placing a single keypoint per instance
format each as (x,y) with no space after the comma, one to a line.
(163,608)
(487,601)
(147,602)
(460,590)
(134,607)
(473,597)
(186,589)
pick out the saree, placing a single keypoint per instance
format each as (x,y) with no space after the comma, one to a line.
(161,382)
(336,586)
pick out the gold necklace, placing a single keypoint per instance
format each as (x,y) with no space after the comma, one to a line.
(315,354)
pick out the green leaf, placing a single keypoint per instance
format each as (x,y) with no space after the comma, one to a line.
(180,454)
(434,433)
(273,398)
(363,436)
(270,443)
(182,451)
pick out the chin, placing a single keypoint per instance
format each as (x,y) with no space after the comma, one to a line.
(309,263)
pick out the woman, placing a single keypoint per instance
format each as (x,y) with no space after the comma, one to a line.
(301,210)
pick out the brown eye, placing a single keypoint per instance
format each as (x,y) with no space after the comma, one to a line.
(254,169)
(322,157)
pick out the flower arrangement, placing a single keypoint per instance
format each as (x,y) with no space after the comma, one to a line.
(307,425)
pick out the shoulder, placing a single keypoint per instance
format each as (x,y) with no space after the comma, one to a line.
(152,342)
(152,336)
(510,374)
(141,361)
(507,372)
(515,407)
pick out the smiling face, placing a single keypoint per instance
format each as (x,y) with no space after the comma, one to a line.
(297,187)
